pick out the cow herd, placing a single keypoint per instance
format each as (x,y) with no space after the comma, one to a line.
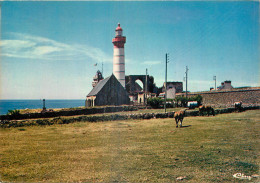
(203,110)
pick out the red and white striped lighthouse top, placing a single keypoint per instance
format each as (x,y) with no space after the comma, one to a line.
(119,28)
(119,40)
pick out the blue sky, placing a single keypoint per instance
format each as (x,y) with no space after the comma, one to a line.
(48,49)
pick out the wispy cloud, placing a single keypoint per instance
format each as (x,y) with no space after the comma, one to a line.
(151,62)
(35,47)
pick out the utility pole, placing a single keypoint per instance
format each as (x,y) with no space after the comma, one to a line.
(146,87)
(165,95)
(102,71)
(186,81)
(215,78)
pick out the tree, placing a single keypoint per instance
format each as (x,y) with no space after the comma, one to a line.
(184,101)
(177,100)
(155,102)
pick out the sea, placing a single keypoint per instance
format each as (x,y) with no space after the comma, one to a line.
(6,105)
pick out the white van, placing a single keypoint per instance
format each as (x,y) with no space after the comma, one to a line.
(192,104)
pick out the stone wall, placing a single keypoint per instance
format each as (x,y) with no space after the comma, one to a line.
(249,97)
(69,112)
(102,118)
(131,83)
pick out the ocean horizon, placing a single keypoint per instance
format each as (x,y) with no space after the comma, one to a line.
(12,104)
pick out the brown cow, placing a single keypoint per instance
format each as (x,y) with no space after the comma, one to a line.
(207,109)
(179,116)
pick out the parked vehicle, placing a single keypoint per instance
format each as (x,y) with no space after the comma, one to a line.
(192,104)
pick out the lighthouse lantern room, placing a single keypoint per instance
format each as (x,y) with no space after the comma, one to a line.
(119,55)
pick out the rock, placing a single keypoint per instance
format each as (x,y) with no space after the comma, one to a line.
(181,178)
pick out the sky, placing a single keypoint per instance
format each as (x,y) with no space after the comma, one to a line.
(48,49)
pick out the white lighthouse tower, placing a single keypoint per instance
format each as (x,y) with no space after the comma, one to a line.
(119,55)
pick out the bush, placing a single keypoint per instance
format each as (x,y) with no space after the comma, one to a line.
(170,114)
(43,122)
(197,98)
(155,102)
(161,115)
(148,116)
(192,113)
(14,113)
(183,101)
(169,103)
(57,120)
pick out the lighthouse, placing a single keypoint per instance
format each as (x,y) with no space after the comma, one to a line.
(119,55)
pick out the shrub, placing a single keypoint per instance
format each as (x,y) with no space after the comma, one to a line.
(177,101)
(161,115)
(21,129)
(43,122)
(57,120)
(197,98)
(192,113)
(155,102)
(148,116)
(14,113)
(169,103)
(170,114)
(183,101)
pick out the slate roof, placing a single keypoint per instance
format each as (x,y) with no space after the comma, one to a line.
(98,87)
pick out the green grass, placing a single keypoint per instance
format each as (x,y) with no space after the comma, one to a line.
(140,111)
(207,149)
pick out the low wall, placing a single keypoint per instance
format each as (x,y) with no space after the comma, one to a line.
(113,117)
(69,112)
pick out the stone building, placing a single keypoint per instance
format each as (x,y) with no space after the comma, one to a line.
(226,85)
(174,84)
(172,89)
(141,97)
(98,77)
(107,92)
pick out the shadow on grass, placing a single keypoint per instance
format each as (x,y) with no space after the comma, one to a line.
(186,126)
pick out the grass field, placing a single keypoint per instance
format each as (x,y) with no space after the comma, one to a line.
(206,149)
